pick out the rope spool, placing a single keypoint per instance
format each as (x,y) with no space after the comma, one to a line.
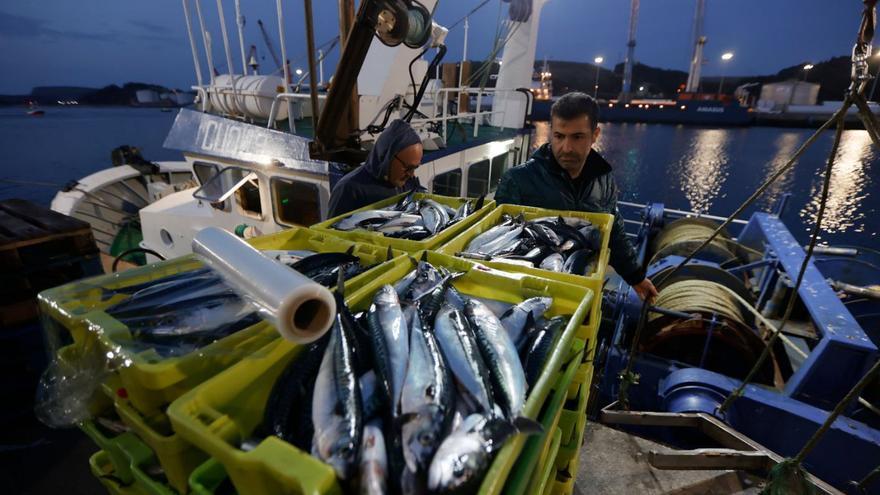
(698,296)
(719,337)
(684,235)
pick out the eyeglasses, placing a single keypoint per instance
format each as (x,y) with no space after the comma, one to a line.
(406,167)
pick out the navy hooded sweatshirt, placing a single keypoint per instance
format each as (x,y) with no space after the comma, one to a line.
(367,184)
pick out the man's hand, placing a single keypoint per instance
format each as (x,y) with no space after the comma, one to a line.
(645,289)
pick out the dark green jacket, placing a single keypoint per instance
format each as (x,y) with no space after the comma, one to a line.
(542,183)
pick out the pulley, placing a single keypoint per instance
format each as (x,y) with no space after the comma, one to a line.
(401,22)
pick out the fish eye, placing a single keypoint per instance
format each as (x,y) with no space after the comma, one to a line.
(426,438)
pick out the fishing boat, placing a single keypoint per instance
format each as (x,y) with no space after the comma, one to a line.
(261,165)
(34,110)
(265,158)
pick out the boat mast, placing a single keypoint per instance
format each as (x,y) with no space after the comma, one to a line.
(693,82)
(625,95)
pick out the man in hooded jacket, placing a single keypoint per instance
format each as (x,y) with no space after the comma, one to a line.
(388,170)
(567,174)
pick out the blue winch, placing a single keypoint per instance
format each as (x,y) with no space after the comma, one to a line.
(711,321)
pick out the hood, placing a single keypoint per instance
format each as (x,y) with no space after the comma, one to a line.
(397,136)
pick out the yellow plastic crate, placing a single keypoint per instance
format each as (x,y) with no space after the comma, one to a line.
(572,423)
(221,413)
(150,381)
(177,457)
(536,457)
(407,245)
(594,281)
(139,457)
(548,469)
(104,470)
(207,478)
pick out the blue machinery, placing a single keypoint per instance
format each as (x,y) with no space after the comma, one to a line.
(689,363)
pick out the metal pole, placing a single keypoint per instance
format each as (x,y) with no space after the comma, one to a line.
(280,14)
(205,39)
(310,42)
(721,84)
(225,38)
(239,21)
(630,52)
(596,87)
(463,54)
(321,67)
(192,43)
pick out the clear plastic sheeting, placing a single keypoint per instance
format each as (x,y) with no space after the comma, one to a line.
(65,394)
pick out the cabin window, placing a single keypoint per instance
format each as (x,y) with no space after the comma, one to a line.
(447,183)
(296,202)
(204,171)
(248,197)
(478,179)
(500,164)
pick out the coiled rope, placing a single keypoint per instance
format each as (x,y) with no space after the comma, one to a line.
(681,232)
(699,296)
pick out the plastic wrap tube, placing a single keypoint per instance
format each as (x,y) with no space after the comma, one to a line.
(299,308)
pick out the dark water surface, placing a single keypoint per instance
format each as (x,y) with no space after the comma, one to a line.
(689,168)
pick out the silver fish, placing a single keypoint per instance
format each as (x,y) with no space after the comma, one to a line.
(288,256)
(505,369)
(463,457)
(554,263)
(505,243)
(360,218)
(403,221)
(570,221)
(516,318)
(402,286)
(374,461)
(390,338)
(462,354)
(427,278)
(428,398)
(336,406)
(488,236)
(434,215)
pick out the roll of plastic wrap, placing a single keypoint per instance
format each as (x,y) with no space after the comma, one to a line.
(299,308)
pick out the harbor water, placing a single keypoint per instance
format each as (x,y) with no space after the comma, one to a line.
(709,170)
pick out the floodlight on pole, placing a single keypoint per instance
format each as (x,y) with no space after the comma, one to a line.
(807,68)
(726,56)
(598,61)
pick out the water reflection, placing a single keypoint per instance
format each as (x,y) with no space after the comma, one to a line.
(848,188)
(785,144)
(703,168)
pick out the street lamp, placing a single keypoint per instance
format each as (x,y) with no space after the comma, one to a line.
(598,61)
(299,72)
(724,58)
(807,68)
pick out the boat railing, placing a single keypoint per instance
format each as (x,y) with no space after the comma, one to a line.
(287,97)
(678,213)
(441,96)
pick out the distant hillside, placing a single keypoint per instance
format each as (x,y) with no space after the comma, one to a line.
(108,95)
(832,74)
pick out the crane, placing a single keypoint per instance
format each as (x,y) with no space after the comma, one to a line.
(269,45)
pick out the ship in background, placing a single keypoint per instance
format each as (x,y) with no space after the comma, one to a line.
(690,105)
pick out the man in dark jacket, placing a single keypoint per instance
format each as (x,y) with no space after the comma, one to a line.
(567,174)
(389,170)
